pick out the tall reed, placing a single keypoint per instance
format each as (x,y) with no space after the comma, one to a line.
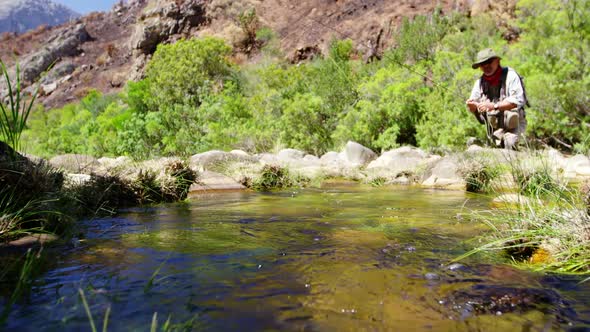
(14,114)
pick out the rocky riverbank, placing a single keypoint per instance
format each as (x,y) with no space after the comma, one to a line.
(220,170)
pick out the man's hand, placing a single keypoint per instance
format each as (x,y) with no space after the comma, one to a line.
(472,105)
(485,107)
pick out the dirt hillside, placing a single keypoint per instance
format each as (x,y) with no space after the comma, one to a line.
(104,50)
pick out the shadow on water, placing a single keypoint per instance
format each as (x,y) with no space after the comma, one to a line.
(339,258)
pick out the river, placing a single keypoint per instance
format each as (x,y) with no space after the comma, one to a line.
(344,257)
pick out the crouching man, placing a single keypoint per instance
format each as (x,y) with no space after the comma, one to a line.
(498,99)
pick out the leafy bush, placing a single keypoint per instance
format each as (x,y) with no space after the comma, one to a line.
(552,55)
(479,175)
(185,72)
(272,177)
(389,107)
(92,126)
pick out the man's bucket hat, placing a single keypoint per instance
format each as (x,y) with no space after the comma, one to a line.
(483,56)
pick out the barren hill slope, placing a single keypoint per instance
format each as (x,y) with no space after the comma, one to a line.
(103,50)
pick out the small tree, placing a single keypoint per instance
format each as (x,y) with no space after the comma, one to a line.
(249,23)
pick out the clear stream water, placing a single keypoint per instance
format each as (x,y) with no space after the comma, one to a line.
(338,258)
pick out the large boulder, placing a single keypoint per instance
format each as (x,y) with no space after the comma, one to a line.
(357,155)
(399,160)
(331,158)
(215,159)
(444,173)
(64,43)
(288,155)
(115,163)
(164,19)
(58,72)
(75,163)
(577,165)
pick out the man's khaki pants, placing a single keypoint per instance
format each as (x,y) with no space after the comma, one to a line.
(512,136)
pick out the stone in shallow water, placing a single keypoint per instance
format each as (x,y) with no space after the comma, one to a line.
(215,181)
(431,276)
(34,240)
(495,300)
(456,267)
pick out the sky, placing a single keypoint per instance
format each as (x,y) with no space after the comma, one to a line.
(86,6)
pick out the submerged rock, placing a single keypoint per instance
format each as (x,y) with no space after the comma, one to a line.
(31,241)
(497,300)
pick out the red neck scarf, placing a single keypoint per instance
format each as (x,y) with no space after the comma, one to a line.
(494,79)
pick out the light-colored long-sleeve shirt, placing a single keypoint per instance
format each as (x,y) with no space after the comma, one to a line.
(514,92)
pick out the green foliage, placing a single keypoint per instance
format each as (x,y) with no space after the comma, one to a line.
(185,72)
(417,39)
(389,108)
(553,55)
(167,117)
(30,198)
(479,175)
(547,230)
(92,127)
(303,124)
(272,177)
(102,195)
(536,182)
(249,23)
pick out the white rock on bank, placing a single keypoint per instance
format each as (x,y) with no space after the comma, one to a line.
(216,158)
(555,159)
(357,155)
(111,163)
(331,158)
(214,181)
(398,160)
(578,162)
(75,163)
(290,155)
(72,179)
(445,173)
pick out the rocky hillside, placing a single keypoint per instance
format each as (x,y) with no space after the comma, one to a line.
(19,16)
(103,50)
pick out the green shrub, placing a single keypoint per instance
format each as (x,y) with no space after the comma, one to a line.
(386,115)
(185,72)
(479,175)
(417,39)
(552,55)
(272,177)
